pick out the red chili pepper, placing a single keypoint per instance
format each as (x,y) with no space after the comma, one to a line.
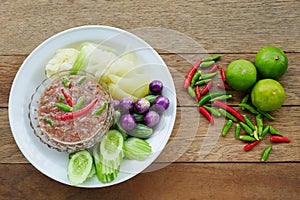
(223,76)
(67,97)
(206,114)
(84,111)
(276,138)
(207,88)
(229,109)
(70,85)
(251,145)
(198,93)
(190,75)
(224,85)
(214,68)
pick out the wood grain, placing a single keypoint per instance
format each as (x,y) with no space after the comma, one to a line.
(176,181)
(192,140)
(181,31)
(232,26)
(179,65)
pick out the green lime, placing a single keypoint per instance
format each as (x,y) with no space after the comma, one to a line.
(267,95)
(271,62)
(241,74)
(79,167)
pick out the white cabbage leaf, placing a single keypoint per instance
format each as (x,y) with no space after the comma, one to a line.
(63,59)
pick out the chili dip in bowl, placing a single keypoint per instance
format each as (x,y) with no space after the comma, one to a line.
(71,111)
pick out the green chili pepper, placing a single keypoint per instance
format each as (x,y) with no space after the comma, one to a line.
(245,99)
(248,122)
(237,131)
(48,121)
(228,115)
(64,107)
(264,132)
(209,96)
(100,110)
(255,133)
(191,92)
(81,80)
(273,131)
(222,97)
(226,127)
(61,98)
(65,82)
(195,77)
(249,108)
(210,58)
(247,129)
(216,57)
(208,76)
(71,82)
(260,124)
(212,110)
(202,82)
(207,64)
(79,103)
(266,153)
(267,115)
(247,138)
(207,58)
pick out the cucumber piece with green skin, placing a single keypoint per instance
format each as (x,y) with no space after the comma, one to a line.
(137,149)
(79,166)
(141,131)
(108,156)
(92,172)
(138,117)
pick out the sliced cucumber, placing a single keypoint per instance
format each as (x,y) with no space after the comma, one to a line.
(92,172)
(79,167)
(108,156)
(137,149)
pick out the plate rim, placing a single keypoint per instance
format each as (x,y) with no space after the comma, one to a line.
(41,45)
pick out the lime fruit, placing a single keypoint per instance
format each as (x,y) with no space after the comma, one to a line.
(271,62)
(241,74)
(267,95)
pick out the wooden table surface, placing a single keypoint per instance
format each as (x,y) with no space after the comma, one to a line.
(234,29)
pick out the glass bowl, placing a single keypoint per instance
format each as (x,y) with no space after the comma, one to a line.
(71,111)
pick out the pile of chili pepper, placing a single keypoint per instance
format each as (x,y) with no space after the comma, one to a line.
(257,131)
(199,86)
(212,104)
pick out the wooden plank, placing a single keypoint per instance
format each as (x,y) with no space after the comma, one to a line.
(9,66)
(10,152)
(179,65)
(192,140)
(176,181)
(217,26)
(206,145)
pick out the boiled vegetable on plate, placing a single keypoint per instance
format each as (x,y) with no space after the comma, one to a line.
(122,73)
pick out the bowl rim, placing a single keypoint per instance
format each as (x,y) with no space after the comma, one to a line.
(55,143)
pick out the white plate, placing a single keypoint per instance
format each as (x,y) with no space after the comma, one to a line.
(53,163)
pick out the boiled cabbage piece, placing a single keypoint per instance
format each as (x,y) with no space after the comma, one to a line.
(132,84)
(63,59)
(121,72)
